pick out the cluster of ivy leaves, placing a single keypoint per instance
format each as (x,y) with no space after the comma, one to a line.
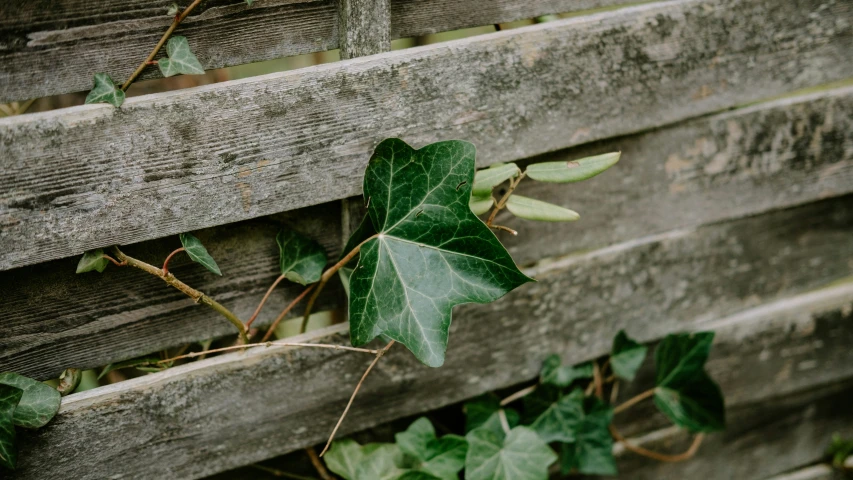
(559,420)
(24,403)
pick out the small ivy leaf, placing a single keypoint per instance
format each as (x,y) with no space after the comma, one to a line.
(626,356)
(432,252)
(482,412)
(105,91)
(344,457)
(381,463)
(198,253)
(481,205)
(414,439)
(533,209)
(684,392)
(839,450)
(173,10)
(38,404)
(553,373)
(69,380)
(92,260)
(10,396)
(592,451)
(301,259)
(556,417)
(522,455)
(181,59)
(132,363)
(574,171)
(442,457)
(488,178)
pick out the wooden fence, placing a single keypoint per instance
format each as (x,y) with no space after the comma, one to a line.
(732,210)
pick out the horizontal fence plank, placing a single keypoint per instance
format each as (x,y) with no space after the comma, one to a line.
(821,471)
(48,327)
(233,410)
(113,36)
(55,319)
(760,441)
(91,176)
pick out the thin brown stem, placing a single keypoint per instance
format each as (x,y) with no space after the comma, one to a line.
(270,345)
(177,21)
(325,278)
(279,473)
(661,457)
(504,420)
(166,261)
(596,378)
(519,394)
(505,229)
(379,355)
(286,311)
(633,401)
(614,392)
(318,464)
(196,295)
(263,301)
(115,262)
(502,202)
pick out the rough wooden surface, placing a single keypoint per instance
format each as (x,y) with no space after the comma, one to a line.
(821,471)
(237,409)
(91,176)
(733,164)
(761,440)
(364,27)
(55,319)
(113,36)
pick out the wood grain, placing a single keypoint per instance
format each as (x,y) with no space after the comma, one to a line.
(113,36)
(90,176)
(233,410)
(364,27)
(55,319)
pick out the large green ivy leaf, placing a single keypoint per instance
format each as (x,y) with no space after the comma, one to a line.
(554,373)
(301,259)
(9,398)
(442,457)
(381,463)
(105,91)
(555,416)
(591,452)
(39,403)
(431,252)
(198,253)
(92,260)
(181,59)
(626,356)
(482,412)
(684,392)
(344,457)
(522,455)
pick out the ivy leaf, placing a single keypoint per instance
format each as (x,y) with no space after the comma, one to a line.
(92,260)
(181,59)
(38,404)
(482,412)
(381,463)
(626,356)
(533,209)
(573,171)
(363,232)
(555,416)
(553,373)
(249,2)
(69,380)
(105,91)
(431,251)
(684,392)
(488,178)
(442,457)
(198,253)
(9,398)
(481,205)
(839,450)
(344,457)
(522,455)
(301,259)
(591,452)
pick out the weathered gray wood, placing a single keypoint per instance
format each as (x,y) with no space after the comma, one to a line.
(54,319)
(820,471)
(91,176)
(729,165)
(233,410)
(761,440)
(364,27)
(115,35)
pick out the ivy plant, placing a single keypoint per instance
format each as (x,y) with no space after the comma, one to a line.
(24,403)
